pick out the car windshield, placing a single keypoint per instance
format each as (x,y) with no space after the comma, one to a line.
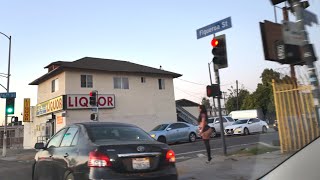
(111,133)
(242,121)
(160,127)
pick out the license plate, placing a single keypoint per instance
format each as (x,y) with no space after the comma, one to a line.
(140,163)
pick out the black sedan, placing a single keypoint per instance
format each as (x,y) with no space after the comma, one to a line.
(96,150)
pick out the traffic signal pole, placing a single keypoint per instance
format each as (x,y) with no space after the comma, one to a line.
(224,146)
(298,9)
(213,102)
(4,145)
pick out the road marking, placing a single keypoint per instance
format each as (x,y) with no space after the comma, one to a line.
(192,152)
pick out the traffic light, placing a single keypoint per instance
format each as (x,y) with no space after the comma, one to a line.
(275,2)
(219,50)
(93,98)
(213,90)
(10,105)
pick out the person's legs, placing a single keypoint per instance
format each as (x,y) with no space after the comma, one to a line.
(207,144)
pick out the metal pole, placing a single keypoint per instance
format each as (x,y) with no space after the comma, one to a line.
(216,70)
(4,150)
(275,14)
(237,94)
(97,106)
(298,9)
(213,102)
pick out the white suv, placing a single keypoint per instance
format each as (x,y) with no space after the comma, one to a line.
(215,123)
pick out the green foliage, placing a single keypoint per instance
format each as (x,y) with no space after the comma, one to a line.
(261,98)
(231,103)
(205,102)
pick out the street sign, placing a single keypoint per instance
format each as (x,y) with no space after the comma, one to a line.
(291,34)
(8,95)
(214,28)
(309,18)
(26,110)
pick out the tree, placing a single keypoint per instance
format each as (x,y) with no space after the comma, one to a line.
(205,102)
(231,104)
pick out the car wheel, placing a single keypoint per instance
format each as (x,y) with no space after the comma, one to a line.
(162,139)
(214,133)
(69,177)
(264,129)
(192,137)
(246,131)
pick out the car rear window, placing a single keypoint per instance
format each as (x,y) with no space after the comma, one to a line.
(160,127)
(106,133)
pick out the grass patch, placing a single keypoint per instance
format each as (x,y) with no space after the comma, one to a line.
(254,150)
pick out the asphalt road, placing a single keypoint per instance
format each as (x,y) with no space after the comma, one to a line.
(13,170)
(189,149)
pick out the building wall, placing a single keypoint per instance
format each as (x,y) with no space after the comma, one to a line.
(44,89)
(142,104)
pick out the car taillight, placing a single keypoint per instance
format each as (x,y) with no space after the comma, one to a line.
(98,159)
(170,156)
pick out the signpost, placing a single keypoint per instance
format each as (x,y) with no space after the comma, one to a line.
(206,31)
(26,110)
(214,28)
(8,95)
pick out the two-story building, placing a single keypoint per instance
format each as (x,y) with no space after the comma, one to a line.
(128,92)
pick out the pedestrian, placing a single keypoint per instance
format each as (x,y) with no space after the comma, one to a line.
(205,130)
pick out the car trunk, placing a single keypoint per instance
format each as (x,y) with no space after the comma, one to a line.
(135,156)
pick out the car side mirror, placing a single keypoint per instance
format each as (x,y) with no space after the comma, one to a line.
(168,129)
(249,122)
(39,146)
(217,121)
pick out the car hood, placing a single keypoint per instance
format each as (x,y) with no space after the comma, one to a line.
(234,126)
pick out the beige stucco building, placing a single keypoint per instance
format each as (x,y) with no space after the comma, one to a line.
(128,93)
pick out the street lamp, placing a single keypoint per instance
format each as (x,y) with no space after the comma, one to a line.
(4,151)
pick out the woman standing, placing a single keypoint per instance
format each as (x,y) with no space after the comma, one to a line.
(204,130)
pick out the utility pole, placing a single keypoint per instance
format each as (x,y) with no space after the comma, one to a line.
(216,70)
(213,102)
(4,145)
(298,9)
(237,94)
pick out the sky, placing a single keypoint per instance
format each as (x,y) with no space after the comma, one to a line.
(151,33)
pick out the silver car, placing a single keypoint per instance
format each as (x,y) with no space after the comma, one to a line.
(175,132)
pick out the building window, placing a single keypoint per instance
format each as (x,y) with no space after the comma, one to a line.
(54,85)
(120,83)
(86,81)
(161,83)
(143,80)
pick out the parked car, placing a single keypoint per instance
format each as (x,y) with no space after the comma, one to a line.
(175,132)
(247,126)
(96,150)
(214,123)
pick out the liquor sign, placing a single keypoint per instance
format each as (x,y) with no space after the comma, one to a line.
(26,110)
(81,101)
(52,105)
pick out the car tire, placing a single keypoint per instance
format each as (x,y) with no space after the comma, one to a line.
(214,133)
(162,139)
(264,129)
(246,131)
(69,176)
(192,137)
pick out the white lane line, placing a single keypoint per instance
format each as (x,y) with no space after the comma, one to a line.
(192,152)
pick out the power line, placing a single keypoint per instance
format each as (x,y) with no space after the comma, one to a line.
(192,82)
(189,94)
(204,84)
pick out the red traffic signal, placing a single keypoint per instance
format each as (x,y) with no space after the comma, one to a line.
(93,98)
(213,90)
(215,42)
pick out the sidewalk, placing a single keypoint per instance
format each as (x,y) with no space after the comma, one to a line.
(18,154)
(235,167)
